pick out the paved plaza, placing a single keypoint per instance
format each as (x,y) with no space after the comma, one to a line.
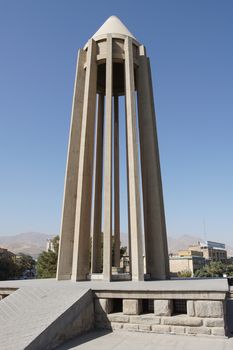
(100,340)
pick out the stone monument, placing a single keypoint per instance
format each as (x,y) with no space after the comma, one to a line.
(44,313)
(113,74)
(111,65)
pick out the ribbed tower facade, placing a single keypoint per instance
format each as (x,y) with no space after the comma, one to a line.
(112,66)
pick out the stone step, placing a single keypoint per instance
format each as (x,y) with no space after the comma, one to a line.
(179,324)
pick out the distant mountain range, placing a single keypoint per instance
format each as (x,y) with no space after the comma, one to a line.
(33,243)
(181,242)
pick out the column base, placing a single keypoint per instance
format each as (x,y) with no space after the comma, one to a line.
(63,277)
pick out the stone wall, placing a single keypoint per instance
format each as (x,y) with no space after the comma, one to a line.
(203,317)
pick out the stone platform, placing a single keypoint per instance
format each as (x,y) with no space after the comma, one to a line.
(99,340)
(48,312)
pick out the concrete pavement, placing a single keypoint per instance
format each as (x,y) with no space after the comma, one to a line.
(102,340)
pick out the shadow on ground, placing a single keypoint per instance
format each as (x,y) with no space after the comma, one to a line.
(107,340)
(87,337)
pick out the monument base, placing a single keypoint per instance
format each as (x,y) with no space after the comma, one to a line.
(47,308)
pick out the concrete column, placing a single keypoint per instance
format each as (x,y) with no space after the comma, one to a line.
(154,219)
(133,164)
(64,266)
(116,185)
(97,217)
(127,170)
(80,267)
(107,186)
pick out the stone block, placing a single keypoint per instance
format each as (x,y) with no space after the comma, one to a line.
(198,330)
(132,306)
(144,328)
(213,322)
(145,319)
(178,330)
(190,308)
(131,327)
(103,306)
(204,308)
(116,325)
(163,307)
(182,321)
(118,317)
(218,331)
(161,329)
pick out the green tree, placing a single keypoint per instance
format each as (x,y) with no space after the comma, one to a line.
(213,269)
(55,243)
(184,274)
(123,250)
(46,266)
(8,268)
(229,270)
(24,263)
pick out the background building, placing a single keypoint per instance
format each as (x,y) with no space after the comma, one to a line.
(212,251)
(50,245)
(196,256)
(186,261)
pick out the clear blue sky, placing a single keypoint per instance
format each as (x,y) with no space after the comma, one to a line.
(190,46)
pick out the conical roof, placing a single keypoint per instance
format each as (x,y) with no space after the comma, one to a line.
(113,25)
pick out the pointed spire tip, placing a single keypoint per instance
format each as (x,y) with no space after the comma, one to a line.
(113,25)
